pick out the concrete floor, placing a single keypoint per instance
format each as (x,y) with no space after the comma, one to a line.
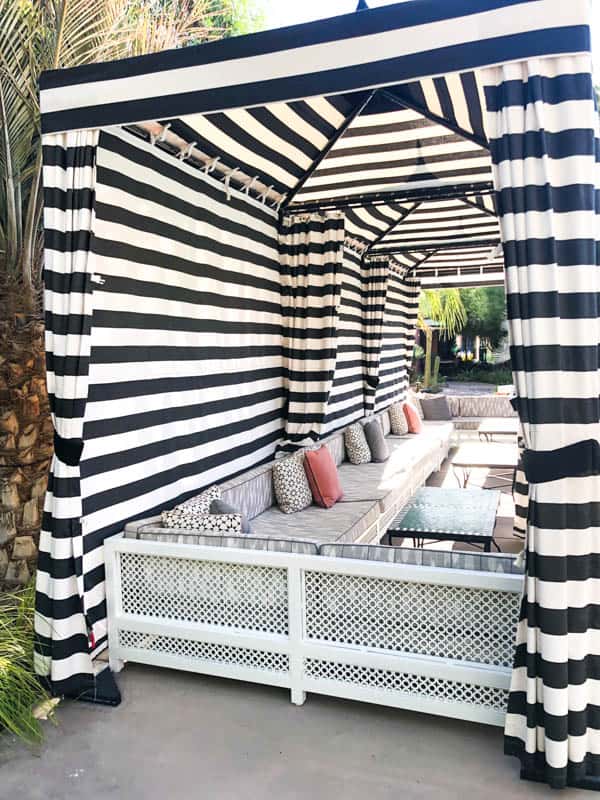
(179,736)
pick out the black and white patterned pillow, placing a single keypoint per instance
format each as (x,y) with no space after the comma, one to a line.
(357,447)
(291,484)
(398,421)
(194,507)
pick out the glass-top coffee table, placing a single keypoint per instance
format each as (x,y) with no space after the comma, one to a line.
(457,515)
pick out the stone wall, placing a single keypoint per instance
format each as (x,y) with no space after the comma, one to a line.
(25,445)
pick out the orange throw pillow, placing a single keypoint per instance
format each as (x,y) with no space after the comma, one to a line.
(323,477)
(412,418)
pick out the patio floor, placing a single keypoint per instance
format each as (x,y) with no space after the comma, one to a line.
(178,736)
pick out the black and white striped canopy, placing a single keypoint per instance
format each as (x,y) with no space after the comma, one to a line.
(326,127)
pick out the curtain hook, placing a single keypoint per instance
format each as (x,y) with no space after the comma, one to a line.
(186,152)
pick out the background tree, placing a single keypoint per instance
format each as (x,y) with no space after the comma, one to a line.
(443,307)
(485,309)
(37,35)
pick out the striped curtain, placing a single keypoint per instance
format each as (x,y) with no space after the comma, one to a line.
(311,254)
(398,338)
(375,285)
(63,634)
(543,130)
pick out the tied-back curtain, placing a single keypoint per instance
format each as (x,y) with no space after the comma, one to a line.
(311,250)
(375,273)
(63,635)
(543,130)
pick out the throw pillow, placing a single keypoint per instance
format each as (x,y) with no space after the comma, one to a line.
(412,418)
(376,441)
(398,420)
(323,477)
(221,507)
(436,408)
(357,447)
(195,506)
(291,484)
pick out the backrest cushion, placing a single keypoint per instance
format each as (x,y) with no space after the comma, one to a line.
(399,423)
(292,489)
(323,477)
(357,447)
(489,405)
(412,418)
(335,445)
(454,404)
(385,422)
(376,441)
(436,408)
(251,492)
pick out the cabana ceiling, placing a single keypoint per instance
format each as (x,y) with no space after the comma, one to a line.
(409,165)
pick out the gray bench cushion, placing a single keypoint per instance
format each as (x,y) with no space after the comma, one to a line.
(345,522)
(252,492)
(448,559)
(154,532)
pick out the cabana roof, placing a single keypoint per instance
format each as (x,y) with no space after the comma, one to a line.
(407,162)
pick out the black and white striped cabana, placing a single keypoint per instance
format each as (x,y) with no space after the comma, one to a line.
(236,236)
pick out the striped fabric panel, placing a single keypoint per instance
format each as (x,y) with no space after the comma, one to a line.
(456,100)
(399,324)
(440,224)
(376,277)
(186,378)
(346,399)
(69,177)
(384,46)
(546,174)
(311,252)
(278,142)
(368,223)
(396,151)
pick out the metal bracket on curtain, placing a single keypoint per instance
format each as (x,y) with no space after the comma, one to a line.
(579,460)
(68,450)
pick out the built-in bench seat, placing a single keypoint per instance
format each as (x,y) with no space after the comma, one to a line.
(373,494)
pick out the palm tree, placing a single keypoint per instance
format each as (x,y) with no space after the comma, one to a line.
(445,308)
(37,35)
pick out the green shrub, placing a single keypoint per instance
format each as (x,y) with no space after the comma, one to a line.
(20,690)
(498,376)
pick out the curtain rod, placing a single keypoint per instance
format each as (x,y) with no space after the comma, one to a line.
(188,151)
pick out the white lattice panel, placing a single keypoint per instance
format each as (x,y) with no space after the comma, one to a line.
(210,652)
(439,689)
(244,596)
(466,624)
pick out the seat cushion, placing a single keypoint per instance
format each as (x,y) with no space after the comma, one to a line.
(152,530)
(379,482)
(345,522)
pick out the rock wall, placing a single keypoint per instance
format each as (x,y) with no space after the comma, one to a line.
(25,445)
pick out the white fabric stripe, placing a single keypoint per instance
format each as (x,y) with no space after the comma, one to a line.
(319,57)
